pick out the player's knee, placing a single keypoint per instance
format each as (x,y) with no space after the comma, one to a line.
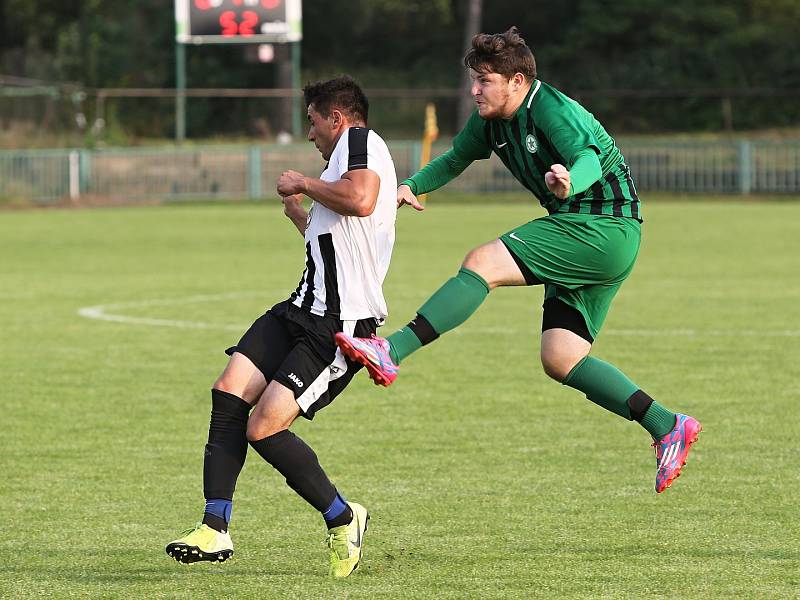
(233,383)
(226,383)
(260,428)
(551,368)
(472,260)
(479,260)
(557,365)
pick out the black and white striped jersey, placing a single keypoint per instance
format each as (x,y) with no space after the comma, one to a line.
(347,257)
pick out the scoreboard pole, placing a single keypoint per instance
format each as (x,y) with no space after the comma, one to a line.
(180,92)
(297,114)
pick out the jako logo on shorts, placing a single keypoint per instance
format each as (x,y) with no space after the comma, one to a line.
(296,379)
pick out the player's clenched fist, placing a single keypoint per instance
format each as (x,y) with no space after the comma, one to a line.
(291,182)
(292,205)
(558,181)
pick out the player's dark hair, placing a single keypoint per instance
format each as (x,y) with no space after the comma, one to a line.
(341,93)
(504,53)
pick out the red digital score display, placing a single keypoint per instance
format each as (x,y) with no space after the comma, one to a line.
(237,18)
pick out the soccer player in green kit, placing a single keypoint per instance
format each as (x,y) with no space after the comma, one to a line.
(581,252)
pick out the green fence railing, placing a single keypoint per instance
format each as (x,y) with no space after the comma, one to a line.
(130,174)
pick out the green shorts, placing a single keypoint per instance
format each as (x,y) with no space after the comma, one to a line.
(581,259)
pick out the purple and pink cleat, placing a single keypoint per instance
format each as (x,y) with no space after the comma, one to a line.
(673,448)
(373,353)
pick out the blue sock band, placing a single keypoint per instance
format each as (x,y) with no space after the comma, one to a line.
(219,508)
(336,508)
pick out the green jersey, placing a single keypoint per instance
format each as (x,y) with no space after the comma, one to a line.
(546,129)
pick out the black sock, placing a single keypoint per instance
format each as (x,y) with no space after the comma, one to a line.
(296,461)
(338,513)
(215,522)
(638,403)
(227,445)
(423,329)
(343,518)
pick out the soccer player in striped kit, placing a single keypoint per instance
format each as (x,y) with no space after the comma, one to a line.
(581,252)
(287,364)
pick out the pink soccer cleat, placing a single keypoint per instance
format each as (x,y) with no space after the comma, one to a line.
(673,448)
(373,353)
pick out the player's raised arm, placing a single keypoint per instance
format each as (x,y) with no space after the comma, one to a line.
(354,195)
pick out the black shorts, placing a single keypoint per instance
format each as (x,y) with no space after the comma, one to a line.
(296,348)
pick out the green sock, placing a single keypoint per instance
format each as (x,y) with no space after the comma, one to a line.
(449,307)
(658,420)
(610,388)
(603,384)
(402,343)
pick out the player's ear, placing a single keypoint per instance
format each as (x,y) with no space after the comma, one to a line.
(337,118)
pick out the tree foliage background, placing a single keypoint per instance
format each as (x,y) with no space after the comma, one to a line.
(582,46)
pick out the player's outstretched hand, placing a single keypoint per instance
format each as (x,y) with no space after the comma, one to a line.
(291,182)
(404,196)
(558,181)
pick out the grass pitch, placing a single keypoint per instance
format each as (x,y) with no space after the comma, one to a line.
(484,478)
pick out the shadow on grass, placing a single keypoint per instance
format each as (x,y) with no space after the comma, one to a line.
(125,567)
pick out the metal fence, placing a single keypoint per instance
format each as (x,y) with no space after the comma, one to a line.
(50,176)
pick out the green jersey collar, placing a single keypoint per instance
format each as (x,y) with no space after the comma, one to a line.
(527,100)
(531,93)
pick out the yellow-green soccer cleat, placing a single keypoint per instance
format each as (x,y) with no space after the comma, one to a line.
(201,543)
(346,543)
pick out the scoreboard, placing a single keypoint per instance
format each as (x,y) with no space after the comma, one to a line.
(242,21)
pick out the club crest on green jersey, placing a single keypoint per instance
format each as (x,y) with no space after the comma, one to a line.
(531,144)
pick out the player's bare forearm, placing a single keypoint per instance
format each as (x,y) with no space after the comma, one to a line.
(354,195)
(293,209)
(300,223)
(340,196)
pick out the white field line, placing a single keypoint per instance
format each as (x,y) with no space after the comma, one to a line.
(115,313)
(101,312)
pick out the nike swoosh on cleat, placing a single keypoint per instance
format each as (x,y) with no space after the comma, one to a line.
(357,542)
